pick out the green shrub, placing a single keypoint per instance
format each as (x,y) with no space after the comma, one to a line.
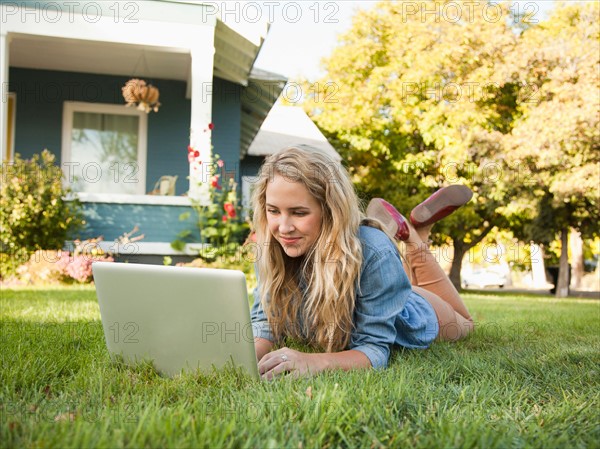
(34,212)
(219,223)
(242,259)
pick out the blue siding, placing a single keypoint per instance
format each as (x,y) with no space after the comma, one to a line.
(158,223)
(40,98)
(227,118)
(40,95)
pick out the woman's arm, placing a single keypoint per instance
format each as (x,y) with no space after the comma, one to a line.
(299,363)
(381,299)
(262,347)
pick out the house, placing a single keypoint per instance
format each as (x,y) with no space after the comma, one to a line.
(62,69)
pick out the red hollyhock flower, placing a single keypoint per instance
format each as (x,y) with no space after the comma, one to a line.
(224,218)
(190,149)
(211,126)
(214,181)
(229,209)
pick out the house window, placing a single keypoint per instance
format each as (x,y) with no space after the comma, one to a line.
(104,148)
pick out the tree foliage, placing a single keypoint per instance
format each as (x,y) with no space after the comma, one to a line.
(557,135)
(419,107)
(556,138)
(423,100)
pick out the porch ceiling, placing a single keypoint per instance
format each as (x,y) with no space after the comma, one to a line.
(37,52)
(233,59)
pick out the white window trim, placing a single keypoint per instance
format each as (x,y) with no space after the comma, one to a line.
(248,183)
(147,248)
(123,198)
(69,107)
(11,120)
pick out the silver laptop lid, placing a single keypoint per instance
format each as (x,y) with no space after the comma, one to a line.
(177,317)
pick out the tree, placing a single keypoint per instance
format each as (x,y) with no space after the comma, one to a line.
(415,99)
(556,137)
(413,102)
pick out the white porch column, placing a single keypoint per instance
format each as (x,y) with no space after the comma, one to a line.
(4,42)
(202,54)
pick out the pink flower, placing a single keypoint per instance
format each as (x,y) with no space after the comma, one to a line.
(190,149)
(214,181)
(220,163)
(224,218)
(80,267)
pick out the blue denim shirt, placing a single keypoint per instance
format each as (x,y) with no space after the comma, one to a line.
(387,311)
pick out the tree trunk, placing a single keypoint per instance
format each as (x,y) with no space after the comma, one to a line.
(460,248)
(562,287)
(576,246)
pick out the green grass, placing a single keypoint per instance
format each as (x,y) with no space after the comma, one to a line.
(528,377)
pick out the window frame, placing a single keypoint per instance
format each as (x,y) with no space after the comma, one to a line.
(248,186)
(70,107)
(8,153)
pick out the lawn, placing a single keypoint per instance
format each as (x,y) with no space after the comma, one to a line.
(528,377)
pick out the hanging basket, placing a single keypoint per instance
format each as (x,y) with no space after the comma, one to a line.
(141,95)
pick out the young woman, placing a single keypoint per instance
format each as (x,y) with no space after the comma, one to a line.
(334,279)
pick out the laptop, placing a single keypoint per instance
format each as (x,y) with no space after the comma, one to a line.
(178,318)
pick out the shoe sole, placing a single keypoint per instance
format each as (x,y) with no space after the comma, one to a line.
(454,196)
(378,211)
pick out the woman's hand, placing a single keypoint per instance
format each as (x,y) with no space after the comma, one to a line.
(296,363)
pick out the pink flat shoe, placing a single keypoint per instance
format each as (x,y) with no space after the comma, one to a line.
(439,205)
(393,221)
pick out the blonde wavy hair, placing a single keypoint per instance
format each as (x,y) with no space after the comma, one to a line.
(330,269)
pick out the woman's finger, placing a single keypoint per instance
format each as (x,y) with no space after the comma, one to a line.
(278,370)
(271,360)
(267,365)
